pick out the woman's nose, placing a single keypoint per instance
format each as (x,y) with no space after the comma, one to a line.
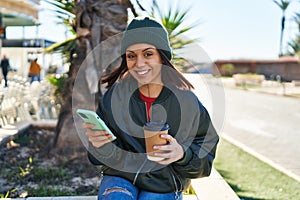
(140,61)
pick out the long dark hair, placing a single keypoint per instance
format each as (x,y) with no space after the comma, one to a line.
(170,74)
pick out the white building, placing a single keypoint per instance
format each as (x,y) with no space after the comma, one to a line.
(22,13)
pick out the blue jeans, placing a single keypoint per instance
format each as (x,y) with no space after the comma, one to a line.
(35,77)
(113,187)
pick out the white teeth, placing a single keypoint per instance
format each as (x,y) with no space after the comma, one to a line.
(142,72)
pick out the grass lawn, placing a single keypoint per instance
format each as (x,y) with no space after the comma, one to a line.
(251,178)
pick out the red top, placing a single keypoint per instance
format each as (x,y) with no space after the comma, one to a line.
(148,101)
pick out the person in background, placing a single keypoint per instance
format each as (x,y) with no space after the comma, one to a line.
(34,71)
(5,68)
(146,87)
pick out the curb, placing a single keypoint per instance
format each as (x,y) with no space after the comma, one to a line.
(260,157)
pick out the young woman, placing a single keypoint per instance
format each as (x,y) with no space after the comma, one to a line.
(147,87)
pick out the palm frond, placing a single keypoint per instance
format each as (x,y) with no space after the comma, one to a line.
(59,46)
(63,10)
(67,5)
(178,43)
(174,22)
(283,5)
(140,5)
(295,45)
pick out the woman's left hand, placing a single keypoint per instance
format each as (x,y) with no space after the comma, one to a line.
(171,151)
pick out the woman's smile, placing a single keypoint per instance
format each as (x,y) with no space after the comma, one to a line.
(142,72)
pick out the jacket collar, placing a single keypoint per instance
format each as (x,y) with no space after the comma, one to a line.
(164,94)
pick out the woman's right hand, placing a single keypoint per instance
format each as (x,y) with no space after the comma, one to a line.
(96,137)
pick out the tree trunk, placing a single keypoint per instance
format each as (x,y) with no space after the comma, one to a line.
(281,34)
(96,21)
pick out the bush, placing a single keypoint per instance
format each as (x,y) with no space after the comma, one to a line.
(58,81)
(227,69)
(248,79)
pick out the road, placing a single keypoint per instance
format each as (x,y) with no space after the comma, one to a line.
(265,125)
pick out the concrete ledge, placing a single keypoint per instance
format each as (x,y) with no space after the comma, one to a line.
(213,187)
(57,198)
(45,124)
(186,197)
(8,131)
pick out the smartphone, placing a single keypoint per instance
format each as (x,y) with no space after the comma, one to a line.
(91,117)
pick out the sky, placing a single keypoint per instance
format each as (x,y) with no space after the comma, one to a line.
(231,29)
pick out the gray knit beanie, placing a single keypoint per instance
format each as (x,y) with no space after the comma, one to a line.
(146,30)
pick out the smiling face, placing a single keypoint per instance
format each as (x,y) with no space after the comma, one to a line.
(144,63)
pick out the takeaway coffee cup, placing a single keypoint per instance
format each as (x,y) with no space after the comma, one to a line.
(152,132)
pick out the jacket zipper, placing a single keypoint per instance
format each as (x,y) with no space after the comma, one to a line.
(137,173)
(178,189)
(147,113)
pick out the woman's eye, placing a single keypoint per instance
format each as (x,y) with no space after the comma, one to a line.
(130,56)
(147,54)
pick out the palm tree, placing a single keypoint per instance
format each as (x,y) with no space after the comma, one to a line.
(283,5)
(96,20)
